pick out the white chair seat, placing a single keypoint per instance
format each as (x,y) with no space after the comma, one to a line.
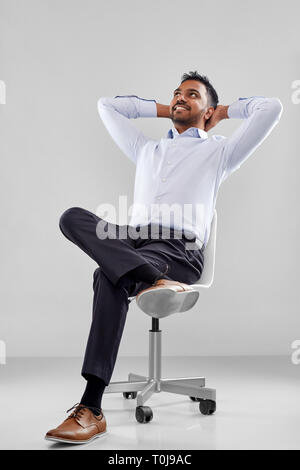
(207,275)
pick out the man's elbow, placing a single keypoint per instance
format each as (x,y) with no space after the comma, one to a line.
(271,109)
(102,102)
(276,107)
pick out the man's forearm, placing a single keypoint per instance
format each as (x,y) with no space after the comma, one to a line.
(224,112)
(163,110)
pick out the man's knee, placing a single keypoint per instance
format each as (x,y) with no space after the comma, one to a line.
(67,218)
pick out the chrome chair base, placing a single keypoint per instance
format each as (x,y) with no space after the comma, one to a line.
(153,383)
(189,386)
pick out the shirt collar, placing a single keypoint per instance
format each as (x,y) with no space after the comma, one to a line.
(192,132)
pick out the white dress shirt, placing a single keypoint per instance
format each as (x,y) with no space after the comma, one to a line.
(184,169)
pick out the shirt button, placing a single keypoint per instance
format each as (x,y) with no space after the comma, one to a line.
(158,198)
(163,179)
(168,162)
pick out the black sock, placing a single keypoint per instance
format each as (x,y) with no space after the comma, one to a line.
(146,273)
(93,392)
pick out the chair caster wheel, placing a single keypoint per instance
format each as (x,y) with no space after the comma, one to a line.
(128,395)
(195,398)
(207,407)
(143,414)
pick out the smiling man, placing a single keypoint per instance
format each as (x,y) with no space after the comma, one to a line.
(192,105)
(185,168)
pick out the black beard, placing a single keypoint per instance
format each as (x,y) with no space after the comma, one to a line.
(185,120)
(178,120)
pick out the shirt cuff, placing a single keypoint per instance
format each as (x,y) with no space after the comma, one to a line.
(144,108)
(147,108)
(239,109)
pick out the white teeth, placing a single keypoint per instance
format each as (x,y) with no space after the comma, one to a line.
(179,107)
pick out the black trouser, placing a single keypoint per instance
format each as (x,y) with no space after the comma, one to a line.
(112,284)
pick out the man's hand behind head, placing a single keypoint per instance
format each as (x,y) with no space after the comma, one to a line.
(219,113)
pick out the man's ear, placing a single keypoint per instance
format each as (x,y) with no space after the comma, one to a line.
(209,112)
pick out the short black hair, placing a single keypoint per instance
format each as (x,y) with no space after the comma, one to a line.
(211,92)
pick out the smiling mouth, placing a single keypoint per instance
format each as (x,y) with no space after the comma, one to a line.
(180,108)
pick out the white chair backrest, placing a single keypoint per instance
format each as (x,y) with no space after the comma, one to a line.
(207,275)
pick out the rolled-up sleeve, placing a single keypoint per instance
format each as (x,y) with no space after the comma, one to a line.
(116,114)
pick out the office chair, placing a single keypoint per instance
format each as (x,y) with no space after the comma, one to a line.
(194,387)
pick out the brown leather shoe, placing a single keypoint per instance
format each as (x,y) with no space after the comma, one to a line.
(166,297)
(80,427)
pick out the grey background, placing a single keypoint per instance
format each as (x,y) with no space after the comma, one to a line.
(57,58)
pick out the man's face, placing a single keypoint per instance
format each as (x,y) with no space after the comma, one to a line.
(192,95)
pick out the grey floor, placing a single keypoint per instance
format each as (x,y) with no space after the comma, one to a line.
(258,405)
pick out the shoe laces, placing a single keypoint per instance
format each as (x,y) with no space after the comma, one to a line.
(79,410)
